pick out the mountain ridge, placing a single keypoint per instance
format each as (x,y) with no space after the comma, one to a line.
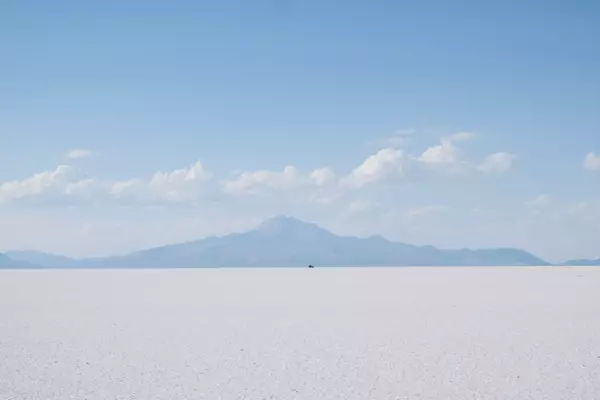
(285,242)
(8,263)
(581,263)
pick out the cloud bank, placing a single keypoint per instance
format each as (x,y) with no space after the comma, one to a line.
(192,184)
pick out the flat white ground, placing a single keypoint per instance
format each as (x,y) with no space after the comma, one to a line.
(349,333)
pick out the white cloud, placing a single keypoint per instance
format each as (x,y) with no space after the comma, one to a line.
(323,176)
(541,201)
(78,153)
(57,182)
(85,189)
(444,153)
(194,183)
(124,189)
(319,187)
(592,162)
(497,163)
(181,185)
(447,157)
(385,164)
(69,182)
(252,182)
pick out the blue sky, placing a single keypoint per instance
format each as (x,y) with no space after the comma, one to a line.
(461,125)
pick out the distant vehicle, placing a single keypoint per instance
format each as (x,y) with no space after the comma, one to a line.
(311,266)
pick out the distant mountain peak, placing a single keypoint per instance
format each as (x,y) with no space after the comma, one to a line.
(378,238)
(286,241)
(285,223)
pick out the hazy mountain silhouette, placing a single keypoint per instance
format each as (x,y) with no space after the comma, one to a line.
(8,263)
(285,241)
(582,263)
(43,259)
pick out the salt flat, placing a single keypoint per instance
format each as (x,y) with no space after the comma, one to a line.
(348,333)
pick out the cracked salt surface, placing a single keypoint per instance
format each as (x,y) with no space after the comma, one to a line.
(405,333)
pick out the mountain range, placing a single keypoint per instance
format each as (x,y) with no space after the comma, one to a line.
(7,262)
(285,241)
(582,263)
